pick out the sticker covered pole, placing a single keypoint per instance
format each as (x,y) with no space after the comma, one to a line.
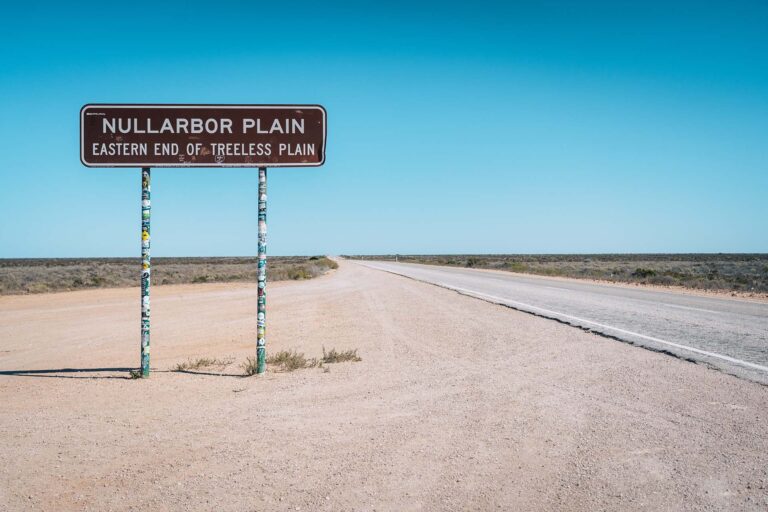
(145,270)
(261,350)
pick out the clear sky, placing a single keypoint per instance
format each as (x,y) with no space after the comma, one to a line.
(464,127)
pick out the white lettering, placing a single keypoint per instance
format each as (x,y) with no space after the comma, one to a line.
(276,128)
(181,125)
(166,148)
(196,125)
(119,149)
(108,125)
(303,149)
(126,128)
(167,126)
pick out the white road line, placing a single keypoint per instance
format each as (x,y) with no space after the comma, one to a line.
(604,326)
(690,308)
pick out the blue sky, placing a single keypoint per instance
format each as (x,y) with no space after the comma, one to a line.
(453,127)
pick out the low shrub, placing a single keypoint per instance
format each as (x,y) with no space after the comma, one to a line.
(202,363)
(643,273)
(334,356)
(250,366)
(290,360)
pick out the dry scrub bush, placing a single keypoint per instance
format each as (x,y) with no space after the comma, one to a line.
(334,356)
(290,360)
(203,363)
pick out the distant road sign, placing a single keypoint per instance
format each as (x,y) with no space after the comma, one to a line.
(202,135)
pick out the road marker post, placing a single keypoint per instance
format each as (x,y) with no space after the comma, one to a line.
(146,210)
(261,324)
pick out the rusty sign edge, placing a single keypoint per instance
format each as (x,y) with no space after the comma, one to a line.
(200,105)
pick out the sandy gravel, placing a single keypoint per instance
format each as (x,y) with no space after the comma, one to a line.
(457,405)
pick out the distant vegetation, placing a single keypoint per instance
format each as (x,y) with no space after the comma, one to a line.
(49,275)
(744,273)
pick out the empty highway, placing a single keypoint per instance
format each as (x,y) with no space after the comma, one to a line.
(729,334)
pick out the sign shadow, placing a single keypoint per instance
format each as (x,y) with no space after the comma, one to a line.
(66,373)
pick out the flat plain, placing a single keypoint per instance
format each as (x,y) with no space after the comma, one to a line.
(41,275)
(456,404)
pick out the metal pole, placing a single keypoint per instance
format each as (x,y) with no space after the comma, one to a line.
(261,351)
(145,270)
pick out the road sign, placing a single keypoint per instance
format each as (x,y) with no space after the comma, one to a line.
(202,135)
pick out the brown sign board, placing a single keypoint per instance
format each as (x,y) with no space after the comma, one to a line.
(202,135)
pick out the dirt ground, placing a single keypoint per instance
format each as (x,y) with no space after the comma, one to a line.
(457,405)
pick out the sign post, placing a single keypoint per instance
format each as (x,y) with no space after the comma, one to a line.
(261,350)
(145,269)
(148,136)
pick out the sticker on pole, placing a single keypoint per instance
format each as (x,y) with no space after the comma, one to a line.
(202,135)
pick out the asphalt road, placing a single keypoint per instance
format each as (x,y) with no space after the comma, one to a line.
(729,334)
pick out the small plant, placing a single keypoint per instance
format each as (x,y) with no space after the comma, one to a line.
(202,363)
(643,273)
(334,356)
(290,360)
(516,266)
(298,273)
(249,366)
(98,281)
(135,374)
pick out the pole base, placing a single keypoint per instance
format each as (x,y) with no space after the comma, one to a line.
(261,360)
